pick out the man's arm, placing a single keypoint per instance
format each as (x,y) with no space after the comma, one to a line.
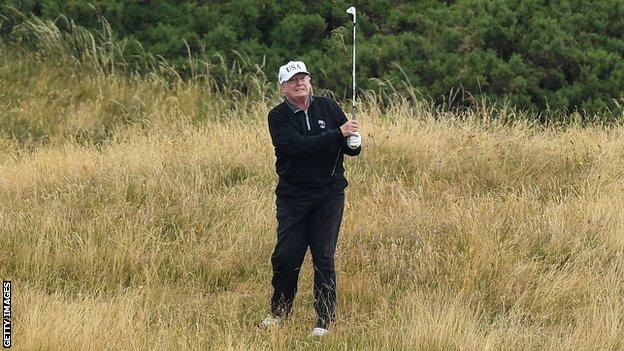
(286,138)
(342,119)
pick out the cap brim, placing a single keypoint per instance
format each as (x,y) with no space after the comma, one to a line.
(294,74)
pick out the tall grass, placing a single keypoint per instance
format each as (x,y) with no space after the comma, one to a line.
(137,212)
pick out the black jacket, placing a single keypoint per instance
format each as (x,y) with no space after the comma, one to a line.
(309,147)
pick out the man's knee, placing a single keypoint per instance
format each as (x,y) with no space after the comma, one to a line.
(324,267)
(286,262)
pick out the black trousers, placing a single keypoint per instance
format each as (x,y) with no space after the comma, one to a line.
(312,220)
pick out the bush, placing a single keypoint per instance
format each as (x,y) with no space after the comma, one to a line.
(536,55)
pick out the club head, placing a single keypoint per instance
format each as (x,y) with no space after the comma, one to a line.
(351,10)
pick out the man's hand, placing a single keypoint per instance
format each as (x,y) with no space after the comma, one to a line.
(354,141)
(349,128)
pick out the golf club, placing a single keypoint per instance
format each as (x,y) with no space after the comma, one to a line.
(353,139)
(351,10)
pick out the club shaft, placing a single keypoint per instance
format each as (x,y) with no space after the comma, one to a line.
(353,110)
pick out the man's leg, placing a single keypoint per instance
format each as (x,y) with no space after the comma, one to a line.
(288,254)
(324,225)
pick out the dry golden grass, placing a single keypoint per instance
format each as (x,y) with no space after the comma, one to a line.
(140,216)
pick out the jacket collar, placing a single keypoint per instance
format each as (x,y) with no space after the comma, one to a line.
(294,107)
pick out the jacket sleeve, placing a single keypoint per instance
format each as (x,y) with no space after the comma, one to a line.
(286,138)
(342,119)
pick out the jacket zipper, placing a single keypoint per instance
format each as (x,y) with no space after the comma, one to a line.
(307,119)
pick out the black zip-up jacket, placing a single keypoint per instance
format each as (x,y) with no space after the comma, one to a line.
(309,146)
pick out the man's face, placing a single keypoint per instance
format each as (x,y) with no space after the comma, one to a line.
(297,87)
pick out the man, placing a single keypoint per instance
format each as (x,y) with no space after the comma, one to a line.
(310,135)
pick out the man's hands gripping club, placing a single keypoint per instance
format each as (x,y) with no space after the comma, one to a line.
(354,141)
(350,130)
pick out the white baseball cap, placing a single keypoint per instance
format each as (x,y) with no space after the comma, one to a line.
(290,69)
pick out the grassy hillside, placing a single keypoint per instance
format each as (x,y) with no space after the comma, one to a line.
(138,213)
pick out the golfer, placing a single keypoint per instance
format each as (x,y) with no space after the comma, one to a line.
(310,135)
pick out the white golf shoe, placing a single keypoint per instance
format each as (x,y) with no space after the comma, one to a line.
(270,322)
(319,332)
